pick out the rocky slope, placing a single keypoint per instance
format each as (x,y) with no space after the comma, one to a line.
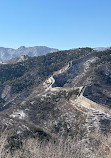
(42,113)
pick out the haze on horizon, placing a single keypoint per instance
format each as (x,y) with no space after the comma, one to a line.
(58,24)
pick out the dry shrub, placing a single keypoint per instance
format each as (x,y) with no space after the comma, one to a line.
(63,148)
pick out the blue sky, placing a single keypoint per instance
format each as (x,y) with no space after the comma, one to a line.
(61,24)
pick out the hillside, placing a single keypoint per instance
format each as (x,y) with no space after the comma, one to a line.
(9,53)
(57,105)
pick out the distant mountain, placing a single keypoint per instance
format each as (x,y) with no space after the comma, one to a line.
(101,48)
(9,53)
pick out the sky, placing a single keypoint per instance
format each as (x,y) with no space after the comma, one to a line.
(62,24)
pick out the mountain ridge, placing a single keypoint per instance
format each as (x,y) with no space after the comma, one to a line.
(9,53)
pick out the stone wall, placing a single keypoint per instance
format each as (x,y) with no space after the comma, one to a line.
(91,104)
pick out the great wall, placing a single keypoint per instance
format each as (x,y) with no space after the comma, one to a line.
(91,104)
(51,80)
(81,99)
